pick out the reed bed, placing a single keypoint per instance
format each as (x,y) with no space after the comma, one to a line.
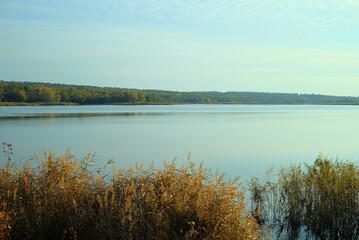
(61,197)
(319,201)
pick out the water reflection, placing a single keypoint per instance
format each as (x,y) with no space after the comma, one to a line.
(76,115)
(117,114)
(242,140)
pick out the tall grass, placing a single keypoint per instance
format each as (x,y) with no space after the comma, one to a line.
(61,197)
(319,201)
(64,198)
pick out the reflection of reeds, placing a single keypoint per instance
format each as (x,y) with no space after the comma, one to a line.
(318,201)
(62,198)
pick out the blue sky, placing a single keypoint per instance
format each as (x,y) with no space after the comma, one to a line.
(299,46)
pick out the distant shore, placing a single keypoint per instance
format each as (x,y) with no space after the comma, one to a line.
(14,104)
(39,94)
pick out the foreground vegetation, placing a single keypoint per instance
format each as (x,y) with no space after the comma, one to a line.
(23,93)
(61,198)
(319,201)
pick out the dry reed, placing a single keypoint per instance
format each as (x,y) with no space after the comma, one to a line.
(64,198)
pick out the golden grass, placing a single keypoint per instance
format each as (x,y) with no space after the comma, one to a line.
(63,198)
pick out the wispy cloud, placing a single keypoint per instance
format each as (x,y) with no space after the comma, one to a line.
(183,43)
(307,12)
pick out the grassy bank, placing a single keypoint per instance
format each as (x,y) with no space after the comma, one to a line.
(63,198)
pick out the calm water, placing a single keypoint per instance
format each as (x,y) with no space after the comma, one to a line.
(239,140)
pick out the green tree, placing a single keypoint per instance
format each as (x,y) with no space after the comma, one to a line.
(15,93)
(2,92)
(43,94)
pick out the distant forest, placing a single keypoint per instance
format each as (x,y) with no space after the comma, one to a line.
(32,93)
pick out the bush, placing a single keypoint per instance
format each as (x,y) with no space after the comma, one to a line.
(63,198)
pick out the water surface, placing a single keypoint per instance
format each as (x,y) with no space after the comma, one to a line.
(242,140)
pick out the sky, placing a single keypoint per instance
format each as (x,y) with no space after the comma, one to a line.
(296,46)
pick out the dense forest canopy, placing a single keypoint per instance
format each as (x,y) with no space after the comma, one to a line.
(27,92)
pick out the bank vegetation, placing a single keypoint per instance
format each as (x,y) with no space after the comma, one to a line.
(61,197)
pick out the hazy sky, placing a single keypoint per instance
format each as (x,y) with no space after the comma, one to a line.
(303,46)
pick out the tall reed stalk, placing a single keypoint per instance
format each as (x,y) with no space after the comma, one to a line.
(319,201)
(64,198)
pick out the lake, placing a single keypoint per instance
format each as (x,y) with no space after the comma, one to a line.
(239,140)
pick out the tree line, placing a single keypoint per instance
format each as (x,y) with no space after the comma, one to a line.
(26,92)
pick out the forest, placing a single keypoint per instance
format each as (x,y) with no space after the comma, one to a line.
(34,93)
